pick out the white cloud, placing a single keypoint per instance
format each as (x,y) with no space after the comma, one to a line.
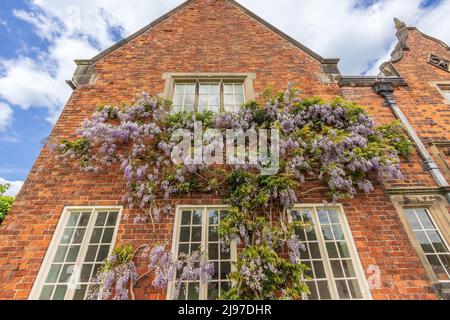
(338,29)
(361,37)
(14,189)
(5,116)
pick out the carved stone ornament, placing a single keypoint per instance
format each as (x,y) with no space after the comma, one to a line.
(439,62)
(383,87)
(402,36)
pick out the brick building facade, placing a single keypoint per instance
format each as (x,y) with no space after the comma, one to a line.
(388,232)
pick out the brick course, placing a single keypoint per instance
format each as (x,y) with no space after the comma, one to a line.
(215,36)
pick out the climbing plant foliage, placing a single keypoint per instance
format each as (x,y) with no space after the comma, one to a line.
(5,202)
(335,145)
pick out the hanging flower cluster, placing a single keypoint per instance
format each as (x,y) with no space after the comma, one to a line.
(118,276)
(336,144)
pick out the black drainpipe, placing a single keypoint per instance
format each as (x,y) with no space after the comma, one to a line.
(386,90)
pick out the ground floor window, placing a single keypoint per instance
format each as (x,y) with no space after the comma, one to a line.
(83,239)
(197,228)
(430,239)
(336,272)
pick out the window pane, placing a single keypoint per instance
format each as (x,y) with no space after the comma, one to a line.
(424,242)
(101,218)
(79,235)
(228,88)
(314,250)
(327,234)
(204,89)
(239,100)
(213,217)
(53,273)
(103,253)
(66,273)
(73,219)
(337,269)
(96,235)
(178,101)
(179,88)
(338,233)
(342,289)
(80,293)
(332,214)
(183,249)
(424,219)
(225,269)
(215,88)
(196,234)
(84,219)
(203,102)
(354,289)
(332,250)
(239,88)
(225,252)
(60,293)
(348,268)
(437,266)
(86,272)
(91,253)
(193,291)
(60,254)
(323,217)
(213,235)
(324,290)
(190,88)
(319,271)
(412,218)
(73,254)
(185,234)
(343,249)
(67,235)
(197,218)
(229,100)
(108,235)
(112,219)
(437,242)
(213,251)
(313,289)
(195,247)
(46,293)
(213,290)
(186,218)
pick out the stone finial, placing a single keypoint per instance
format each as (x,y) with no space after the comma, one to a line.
(399,24)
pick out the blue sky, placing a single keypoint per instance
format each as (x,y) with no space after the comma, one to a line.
(41,38)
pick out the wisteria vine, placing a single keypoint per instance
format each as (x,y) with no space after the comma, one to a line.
(335,144)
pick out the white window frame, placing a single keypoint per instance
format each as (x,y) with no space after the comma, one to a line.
(51,251)
(246,79)
(359,270)
(204,246)
(416,242)
(441,88)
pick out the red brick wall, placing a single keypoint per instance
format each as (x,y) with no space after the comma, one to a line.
(206,36)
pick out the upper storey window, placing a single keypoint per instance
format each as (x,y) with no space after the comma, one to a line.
(445,90)
(431,241)
(216,92)
(215,96)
